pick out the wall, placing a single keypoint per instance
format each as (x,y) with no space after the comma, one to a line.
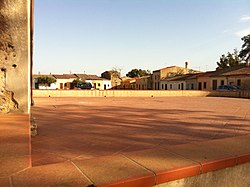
(189,84)
(156,79)
(208,81)
(175,85)
(245,81)
(63,81)
(229,177)
(138,93)
(15,56)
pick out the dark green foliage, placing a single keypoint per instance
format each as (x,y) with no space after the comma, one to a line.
(138,73)
(245,49)
(229,60)
(75,82)
(45,80)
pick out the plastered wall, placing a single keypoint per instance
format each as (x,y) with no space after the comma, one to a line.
(15,56)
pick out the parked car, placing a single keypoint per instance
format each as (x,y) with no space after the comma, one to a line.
(228,88)
(84,85)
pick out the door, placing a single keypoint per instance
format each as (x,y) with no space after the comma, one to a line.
(214,84)
(199,86)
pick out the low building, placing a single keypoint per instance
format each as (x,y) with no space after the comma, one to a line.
(237,76)
(114,77)
(191,82)
(127,84)
(64,81)
(178,82)
(36,85)
(143,83)
(171,71)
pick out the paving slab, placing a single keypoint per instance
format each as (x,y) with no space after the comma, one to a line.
(15,143)
(115,171)
(166,165)
(208,154)
(5,182)
(62,174)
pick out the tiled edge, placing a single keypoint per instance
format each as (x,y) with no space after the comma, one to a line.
(179,173)
(218,164)
(145,181)
(242,159)
(176,174)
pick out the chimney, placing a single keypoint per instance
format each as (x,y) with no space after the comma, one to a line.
(186,65)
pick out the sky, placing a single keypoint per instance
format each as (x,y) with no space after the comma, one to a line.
(92,36)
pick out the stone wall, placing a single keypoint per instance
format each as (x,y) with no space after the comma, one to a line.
(14,56)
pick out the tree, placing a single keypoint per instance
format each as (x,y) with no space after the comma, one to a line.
(232,59)
(76,81)
(45,80)
(138,73)
(245,49)
(116,72)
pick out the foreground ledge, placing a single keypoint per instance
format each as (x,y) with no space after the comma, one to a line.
(149,167)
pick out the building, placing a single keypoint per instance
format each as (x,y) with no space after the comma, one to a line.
(98,83)
(64,81)
(127,84)
(237,76)
(191,82)
(178,82)
(171,71)
(143,83)
(114,77)
(35,84)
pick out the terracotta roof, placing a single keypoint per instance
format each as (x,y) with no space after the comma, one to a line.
(41,75)
(65,76)
(224,71)
(196,71)
(88,77)
(194,76)
(242,71)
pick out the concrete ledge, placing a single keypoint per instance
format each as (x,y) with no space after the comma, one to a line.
(139,93)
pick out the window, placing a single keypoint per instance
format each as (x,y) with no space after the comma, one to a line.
(222,82)
(99,84)
(166,86)
(204,85)
(179,86)
(170,86)
(162,86)
(238,82)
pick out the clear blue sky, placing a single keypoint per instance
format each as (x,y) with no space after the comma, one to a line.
(92,36)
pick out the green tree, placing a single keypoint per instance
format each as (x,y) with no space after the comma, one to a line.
(45,80)
(138,73)
(245,49)
(229,60)
(76,81)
